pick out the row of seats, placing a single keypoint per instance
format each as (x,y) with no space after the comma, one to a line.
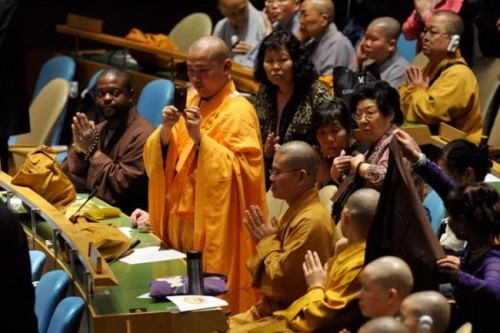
(55,310)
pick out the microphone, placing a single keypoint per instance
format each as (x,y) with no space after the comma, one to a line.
(131,247)
(234,41)
(91,195)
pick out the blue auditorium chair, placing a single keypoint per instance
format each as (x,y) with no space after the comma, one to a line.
(407,48)
(67,315)
(51,289)
(37,259)
(153,98)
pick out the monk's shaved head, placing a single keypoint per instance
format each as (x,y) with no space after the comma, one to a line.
(217,49)
(300,155)
(391,272)
(388,26)
(322,6)
(428,303)
(383,324)
(362,205)
(454,24)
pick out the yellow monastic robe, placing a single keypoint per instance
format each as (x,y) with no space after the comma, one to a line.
(452,98)
(322,309)
(198,197)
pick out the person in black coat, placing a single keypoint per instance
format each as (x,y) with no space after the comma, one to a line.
(18,295)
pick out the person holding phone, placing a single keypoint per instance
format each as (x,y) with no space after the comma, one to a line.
(205,166)
(445,89)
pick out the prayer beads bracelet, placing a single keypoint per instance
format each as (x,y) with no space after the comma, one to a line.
(93,148)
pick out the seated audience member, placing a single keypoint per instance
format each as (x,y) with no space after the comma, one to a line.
(205,166)
(327,47)
(383,325)
(242,27)
(289,92)
(281,246)
(461,162)
(108,157)
(385,282)
(445,89)
(377,112)
(427,310)
(380,45)
(284,15)
(332,125)
(415,23)
(18,296)
(330,302)
(474,216)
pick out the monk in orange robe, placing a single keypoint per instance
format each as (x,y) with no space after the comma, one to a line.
(205,166)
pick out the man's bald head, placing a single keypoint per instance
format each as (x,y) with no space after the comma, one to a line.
(388,26)
(383,324)
(217,49)
(453,22)
(391,272)
(322,6)
(426,303)
(300,155)
(362,205)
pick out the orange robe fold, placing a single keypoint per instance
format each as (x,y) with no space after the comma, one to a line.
(198,198)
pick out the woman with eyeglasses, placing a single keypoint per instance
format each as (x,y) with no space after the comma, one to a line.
(376,110)
(332,126)
(289,92)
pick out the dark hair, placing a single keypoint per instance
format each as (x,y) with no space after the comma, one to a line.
(118,72)
(304,72)
(329,111)
(479,204)
(386,97)
(461,154)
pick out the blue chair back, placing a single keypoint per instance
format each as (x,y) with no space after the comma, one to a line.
(51,289)
(153,98)
(56,67)
(435,205)
(37,259)
(67,316)
(408,48)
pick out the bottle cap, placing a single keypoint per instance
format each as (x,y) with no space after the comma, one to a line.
(193,254)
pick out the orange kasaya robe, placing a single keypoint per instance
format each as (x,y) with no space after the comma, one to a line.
(198,198)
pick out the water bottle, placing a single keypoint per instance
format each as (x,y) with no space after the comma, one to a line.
(195,272)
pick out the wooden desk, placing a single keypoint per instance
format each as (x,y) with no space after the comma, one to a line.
(237,71)
(114,294)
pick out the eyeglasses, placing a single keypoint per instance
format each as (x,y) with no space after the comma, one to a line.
(276,172)
(114,92)
(270,2)
(433,34)
(368,114)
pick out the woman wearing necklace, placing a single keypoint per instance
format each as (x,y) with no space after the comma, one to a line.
(289,92)
(474,216)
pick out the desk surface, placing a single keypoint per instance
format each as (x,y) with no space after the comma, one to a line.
(112,308)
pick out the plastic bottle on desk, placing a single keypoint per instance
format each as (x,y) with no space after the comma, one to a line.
(195,272)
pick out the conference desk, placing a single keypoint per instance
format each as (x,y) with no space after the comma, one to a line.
(112,297)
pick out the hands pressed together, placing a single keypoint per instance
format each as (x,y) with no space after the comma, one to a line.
(415,77)
(271,144)
(315,273)
(84,133)
(258,226)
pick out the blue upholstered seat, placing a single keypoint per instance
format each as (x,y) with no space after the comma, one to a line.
(37,259)
(408,48)
(153,98)
(67,315)
(51,289)
(436,208)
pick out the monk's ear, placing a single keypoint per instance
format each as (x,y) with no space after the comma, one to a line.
(228,64)
(392,45)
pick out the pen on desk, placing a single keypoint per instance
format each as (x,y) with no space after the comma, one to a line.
(132,246)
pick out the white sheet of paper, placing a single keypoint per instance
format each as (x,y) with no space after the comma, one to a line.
(146,295)
(126,231)
(196,302)
(141,256)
